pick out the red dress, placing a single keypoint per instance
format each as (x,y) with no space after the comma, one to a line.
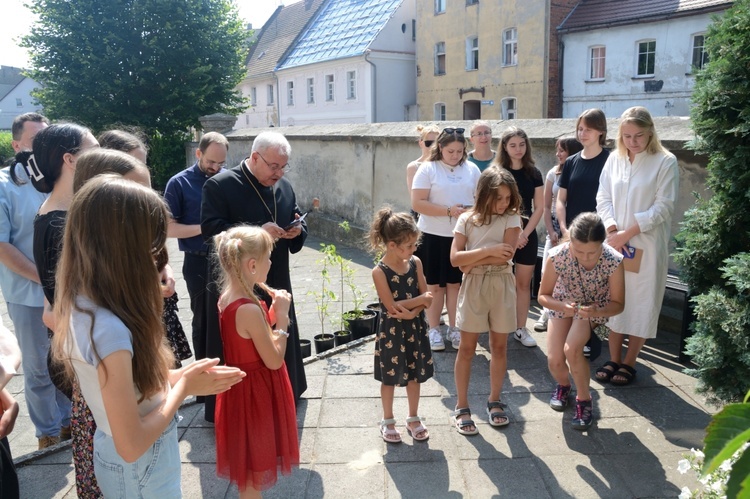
(256,422)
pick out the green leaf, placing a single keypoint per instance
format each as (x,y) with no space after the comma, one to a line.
(739,480)
(729,430)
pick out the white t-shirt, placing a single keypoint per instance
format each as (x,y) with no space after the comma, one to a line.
(110,335)
(482,236)
(446,188)
(554,178)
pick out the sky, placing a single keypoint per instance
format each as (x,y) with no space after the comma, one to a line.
(17,20)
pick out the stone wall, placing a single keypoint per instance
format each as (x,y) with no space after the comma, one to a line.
(355,169)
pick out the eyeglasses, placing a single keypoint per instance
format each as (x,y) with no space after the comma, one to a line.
(482,134)
(450,131)
(216,164)
(275,167)
(428,143)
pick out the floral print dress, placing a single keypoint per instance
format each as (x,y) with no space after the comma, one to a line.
(402,348)
(577,284)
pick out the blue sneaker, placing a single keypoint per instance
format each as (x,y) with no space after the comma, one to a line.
(584,415)
(559,400)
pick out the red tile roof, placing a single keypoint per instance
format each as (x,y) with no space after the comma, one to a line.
(591,14)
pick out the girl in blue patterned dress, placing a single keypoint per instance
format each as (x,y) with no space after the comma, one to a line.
(583,284)
(402,349)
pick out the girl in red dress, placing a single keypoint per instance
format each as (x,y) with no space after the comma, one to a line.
(256,423)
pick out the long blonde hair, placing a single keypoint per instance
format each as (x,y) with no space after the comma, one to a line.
(114,230)
(235,245)
(640,117)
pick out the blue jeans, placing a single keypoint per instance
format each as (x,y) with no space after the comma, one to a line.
(156,474)
(48,408)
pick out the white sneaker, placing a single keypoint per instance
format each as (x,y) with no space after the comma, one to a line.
(454,334)
(436,340)
(541,324)
(522,335)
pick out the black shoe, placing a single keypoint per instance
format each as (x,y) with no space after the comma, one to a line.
(584,415)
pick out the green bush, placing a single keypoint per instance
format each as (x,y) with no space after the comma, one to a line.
(6,150)
(166,156)
(715,236)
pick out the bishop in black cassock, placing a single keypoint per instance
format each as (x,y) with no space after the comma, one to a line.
(255,192)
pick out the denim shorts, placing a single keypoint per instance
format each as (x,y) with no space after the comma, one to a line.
(156,474)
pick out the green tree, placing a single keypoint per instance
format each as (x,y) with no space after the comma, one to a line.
(715,238)
(158,64)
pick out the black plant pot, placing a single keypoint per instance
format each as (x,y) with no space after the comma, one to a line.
(342,337)
(364,325)
(306,348)
(323,342)
(375,307)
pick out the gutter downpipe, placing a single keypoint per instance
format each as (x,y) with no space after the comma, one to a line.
(278,98)
(374,86)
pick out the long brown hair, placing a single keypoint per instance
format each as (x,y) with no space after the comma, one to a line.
(442,140)
(484,203)
(503,159)
(114,230)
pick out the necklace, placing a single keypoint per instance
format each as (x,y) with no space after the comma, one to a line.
(273,215)
(451,168)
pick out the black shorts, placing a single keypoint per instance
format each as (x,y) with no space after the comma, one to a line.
(435,253)
(527,254)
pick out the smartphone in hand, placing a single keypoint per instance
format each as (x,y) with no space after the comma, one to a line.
(296,222)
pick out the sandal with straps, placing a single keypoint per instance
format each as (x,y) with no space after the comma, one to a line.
(413,432)
(604,375)
(496,410)
(625,372)
(461,424)
(386,432)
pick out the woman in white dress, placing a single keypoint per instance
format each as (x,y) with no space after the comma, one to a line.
(637,190)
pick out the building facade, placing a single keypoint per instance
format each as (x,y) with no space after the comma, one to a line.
(15,95)
(622,54)
(488,59)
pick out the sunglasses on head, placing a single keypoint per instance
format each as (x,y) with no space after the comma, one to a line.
(450,131)
(428,143)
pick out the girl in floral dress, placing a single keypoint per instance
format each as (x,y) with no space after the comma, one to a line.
(583,284)
(402,350)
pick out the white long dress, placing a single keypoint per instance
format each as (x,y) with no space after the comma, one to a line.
(643,192)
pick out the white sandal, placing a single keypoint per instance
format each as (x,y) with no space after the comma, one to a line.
(386,432)
(413,432)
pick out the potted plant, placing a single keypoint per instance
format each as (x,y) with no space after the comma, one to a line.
(323,298)
(305,346)
(342,337)
(323,342)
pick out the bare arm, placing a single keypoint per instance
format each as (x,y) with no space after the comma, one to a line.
(535,217)
(561,210)
(182,231)
(133,435)
(251,324)
(11,257)
(616,297)
(548,187)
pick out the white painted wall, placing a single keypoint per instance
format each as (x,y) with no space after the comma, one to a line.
(395,85)
(620,88)
(339,110)
(259,114)
(9,107)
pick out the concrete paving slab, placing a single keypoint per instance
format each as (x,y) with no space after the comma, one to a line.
(199,480)
(581,476)
(308,413)
(46,480)
(509,478)
(344,482)
(440,477)
(361,447)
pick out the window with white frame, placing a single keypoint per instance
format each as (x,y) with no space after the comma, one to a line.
(472,53)
(290,93)
(311,90)
(597,58)
(440,58)
(700,56)
(351,84)
(646,58)
(269,99)
(440,6)
(439,111)
(329,87)
(253,96)
(509,108)
(472,2)
(510,47)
